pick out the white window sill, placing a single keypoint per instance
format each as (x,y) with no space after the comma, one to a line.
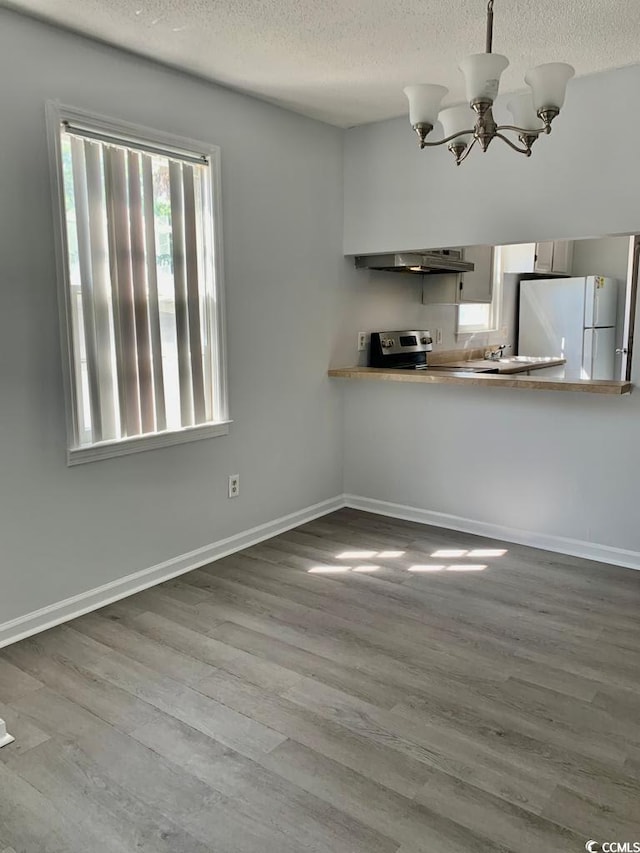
(471,333)
(108,449)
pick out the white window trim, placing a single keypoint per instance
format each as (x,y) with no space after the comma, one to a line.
(56,113)
(495,309)
(125,446)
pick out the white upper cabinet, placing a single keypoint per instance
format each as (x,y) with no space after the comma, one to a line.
(458,288)
(552,257)
(477,286)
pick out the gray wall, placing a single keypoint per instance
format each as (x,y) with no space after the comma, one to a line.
(607,256)
(551,464)
(575,184)
(64,531)
(555,464)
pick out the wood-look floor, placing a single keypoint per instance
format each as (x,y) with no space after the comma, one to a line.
(256,707)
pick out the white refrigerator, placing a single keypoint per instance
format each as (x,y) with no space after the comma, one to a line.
(573,318)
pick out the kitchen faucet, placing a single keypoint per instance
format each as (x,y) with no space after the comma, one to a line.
(497,353)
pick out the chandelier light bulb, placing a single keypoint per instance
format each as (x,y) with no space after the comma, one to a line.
(424,102)
(549,84)
(482,76)
(523,112)
(457,121)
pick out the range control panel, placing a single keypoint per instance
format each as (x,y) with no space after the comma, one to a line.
(406,348)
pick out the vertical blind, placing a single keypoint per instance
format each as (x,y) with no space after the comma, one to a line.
(141,270)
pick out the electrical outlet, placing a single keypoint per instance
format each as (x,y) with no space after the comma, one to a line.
(234,485)
(438,336)
(362,341)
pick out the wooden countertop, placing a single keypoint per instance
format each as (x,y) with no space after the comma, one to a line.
(462,377)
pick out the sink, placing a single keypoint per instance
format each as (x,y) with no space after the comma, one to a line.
(525,359)
(522,359)
(468,367)
(510,364)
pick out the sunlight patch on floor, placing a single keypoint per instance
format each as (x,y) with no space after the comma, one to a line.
(487,552)
(335,570)
(367,555)
(442,553)
(466,568)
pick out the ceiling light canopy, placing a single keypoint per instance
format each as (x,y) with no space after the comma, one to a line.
(532,112)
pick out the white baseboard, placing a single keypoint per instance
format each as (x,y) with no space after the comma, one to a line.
(5,737)
(77,605)
(546,542)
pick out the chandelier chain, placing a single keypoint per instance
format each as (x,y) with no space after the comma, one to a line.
(489,44)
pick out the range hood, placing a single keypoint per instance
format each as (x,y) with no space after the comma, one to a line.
(419,263)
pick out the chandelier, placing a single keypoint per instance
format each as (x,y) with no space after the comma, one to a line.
(532,112)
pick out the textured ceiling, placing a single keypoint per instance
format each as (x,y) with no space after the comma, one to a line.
(346,61)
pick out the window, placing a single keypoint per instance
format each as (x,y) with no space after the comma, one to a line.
(474,317)
(140,286)
(484,317)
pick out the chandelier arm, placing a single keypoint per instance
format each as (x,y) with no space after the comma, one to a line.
(449,138)
(521,130)
(525,151)
(467,152)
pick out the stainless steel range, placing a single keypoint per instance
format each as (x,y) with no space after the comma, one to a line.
(405,350)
